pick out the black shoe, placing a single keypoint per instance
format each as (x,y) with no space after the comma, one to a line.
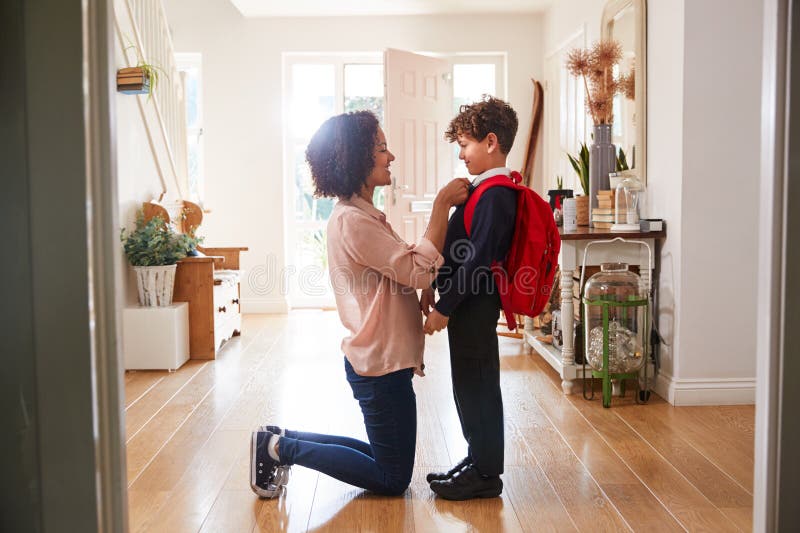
(272,429)
(443,476)
(264,470)
(468,484)
(283,473)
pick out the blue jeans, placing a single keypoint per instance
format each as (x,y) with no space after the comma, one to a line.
(385,464)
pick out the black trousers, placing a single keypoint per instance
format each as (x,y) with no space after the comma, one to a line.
(475,367)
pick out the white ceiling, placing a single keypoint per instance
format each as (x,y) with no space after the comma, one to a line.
(328,8)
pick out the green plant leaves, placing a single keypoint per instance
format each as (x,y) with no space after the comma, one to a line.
(580,163)
(155,243)
(622,161)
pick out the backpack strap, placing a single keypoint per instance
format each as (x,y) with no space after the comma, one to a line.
(500,180)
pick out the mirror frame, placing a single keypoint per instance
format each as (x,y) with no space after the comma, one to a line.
(610,10)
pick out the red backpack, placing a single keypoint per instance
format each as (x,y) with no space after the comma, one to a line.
(525,278)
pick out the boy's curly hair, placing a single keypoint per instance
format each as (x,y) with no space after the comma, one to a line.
(490,115)
(341,153)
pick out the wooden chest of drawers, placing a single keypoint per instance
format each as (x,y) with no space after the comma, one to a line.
(227,313)
(211,285)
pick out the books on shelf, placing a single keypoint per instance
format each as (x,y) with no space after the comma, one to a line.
(603,214)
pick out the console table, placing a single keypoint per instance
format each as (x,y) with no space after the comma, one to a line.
(573,244)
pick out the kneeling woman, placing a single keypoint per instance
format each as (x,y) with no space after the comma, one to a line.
(375,275)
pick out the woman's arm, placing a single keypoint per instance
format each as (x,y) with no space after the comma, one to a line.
(369,244)
(454,193)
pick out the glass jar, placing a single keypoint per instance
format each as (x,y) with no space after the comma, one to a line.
(616,318)
(627,203)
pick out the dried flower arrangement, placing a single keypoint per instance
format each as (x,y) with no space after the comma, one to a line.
(596,66)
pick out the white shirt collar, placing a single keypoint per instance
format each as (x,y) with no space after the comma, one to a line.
(489,173)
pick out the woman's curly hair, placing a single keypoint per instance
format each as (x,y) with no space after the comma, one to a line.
(490,115)
(341,153)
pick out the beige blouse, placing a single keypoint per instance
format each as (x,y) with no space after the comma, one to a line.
(375,275)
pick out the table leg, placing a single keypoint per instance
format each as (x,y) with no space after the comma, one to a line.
(568,327)
(528,327)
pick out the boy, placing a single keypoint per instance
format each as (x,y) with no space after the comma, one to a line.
(469,304)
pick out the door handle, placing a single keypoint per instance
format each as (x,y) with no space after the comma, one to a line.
(395,188)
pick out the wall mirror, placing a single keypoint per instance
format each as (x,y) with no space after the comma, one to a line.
(626,21)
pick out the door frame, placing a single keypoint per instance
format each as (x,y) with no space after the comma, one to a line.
(100,406)
(777,432)
(65,437)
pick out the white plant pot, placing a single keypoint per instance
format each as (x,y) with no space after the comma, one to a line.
(155,285)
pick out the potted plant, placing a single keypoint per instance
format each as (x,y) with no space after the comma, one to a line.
(580,163)
(153,248)
(140,79)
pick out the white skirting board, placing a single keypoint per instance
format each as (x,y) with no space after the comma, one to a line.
(265,305)
(704,391)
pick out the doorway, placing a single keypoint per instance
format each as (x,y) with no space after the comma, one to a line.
(318,86)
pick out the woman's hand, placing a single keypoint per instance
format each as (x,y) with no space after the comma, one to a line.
(435,322)
(455,192)
(426,301)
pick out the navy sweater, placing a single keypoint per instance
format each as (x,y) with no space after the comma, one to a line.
(467,260)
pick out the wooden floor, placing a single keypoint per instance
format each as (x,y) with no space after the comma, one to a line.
(570,464)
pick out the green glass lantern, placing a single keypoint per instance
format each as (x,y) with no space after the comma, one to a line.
(616,327)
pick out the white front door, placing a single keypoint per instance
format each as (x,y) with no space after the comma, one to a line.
(418,107)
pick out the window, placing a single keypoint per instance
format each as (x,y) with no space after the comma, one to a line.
(363,88)
(318,88)
(189,65)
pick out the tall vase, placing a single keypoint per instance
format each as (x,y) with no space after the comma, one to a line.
(602,160)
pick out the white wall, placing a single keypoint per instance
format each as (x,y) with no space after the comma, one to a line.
(566,17)
(721,148)
(664,162)
(242,102)
(138,180)
(703,86)
(137,177)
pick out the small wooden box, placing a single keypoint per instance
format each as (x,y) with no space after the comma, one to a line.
(133,80)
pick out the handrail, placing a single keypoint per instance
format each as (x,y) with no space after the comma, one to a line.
(154,46)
